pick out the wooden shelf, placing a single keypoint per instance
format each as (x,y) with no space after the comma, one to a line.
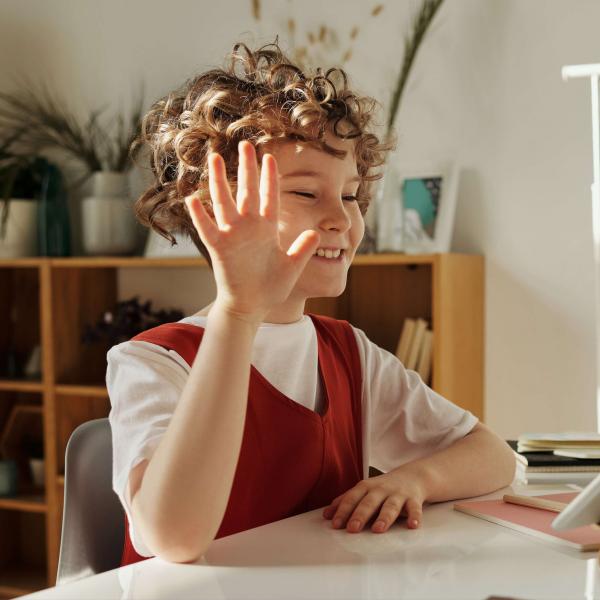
(56,297)
(12,263)
(27,502)
(95,391)
(141,261)
(20,385)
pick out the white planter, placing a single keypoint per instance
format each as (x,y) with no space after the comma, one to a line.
(159,247)
(390,225)
(21,237)
(37,471)
(107,220)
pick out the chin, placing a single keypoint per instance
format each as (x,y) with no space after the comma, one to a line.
(329,292)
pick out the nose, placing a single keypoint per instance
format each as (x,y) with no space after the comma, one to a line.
(335,216)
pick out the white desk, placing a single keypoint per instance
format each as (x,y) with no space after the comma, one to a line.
(452,555)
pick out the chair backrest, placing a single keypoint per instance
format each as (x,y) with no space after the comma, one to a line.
(93,521)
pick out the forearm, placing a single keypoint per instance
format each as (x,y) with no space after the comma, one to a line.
(477,464)
(186,486)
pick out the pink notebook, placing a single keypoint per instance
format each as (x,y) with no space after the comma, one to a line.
(534,521)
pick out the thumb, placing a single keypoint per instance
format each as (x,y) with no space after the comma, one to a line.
(303,247)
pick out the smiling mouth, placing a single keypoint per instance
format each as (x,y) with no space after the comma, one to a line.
(331,259)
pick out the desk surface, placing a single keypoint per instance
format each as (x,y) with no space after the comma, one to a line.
(452,555)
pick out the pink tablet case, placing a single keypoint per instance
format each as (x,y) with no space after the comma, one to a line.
(534,521)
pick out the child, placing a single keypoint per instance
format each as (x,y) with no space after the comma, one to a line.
(250,411)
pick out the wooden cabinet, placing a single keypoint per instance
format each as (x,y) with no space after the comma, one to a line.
(48,302)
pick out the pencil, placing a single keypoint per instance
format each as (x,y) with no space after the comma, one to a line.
(535,502)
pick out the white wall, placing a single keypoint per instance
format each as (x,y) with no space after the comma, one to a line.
(486,90)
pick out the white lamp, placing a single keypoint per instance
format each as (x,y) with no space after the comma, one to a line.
(593,72)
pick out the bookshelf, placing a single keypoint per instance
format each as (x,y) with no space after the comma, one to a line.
(48,301)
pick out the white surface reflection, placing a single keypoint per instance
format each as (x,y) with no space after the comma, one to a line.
(452,555)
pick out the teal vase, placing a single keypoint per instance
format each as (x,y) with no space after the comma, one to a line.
(54,229)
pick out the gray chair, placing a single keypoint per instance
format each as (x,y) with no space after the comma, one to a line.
(93,525)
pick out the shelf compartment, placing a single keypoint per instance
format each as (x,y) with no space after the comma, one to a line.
(23,566)
(17,580)
(20,333)
(379,299)
(79,297)
(22,438)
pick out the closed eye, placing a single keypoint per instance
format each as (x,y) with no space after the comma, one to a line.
(309,195)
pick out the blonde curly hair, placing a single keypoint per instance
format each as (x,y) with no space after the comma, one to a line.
(260,96)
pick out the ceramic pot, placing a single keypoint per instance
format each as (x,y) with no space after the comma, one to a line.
(8,478)
(108,223)
(20,237)
(36,466)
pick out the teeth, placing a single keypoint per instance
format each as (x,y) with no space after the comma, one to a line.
(328,253)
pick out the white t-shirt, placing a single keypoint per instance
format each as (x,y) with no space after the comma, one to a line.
(403,419)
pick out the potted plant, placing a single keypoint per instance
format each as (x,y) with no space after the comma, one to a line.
(43,122)
(390,213)
(126,319)
(21,179)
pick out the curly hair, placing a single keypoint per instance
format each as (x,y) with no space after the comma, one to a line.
(260,96)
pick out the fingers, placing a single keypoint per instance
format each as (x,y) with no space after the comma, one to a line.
(346,507)
(220,193)
(269,188)
(388,514)
(415,513)
(247,187)
(205,226)
(303,247)
(329,511)
(356,508)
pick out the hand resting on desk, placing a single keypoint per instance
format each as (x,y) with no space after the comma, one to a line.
(459,471)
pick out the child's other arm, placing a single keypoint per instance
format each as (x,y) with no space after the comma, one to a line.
(179,497)
(477,464)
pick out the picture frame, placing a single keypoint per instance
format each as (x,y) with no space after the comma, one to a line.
(428,199)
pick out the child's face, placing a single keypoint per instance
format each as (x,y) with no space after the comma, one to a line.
(322,201)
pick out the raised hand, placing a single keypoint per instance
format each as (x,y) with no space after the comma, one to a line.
(253,273)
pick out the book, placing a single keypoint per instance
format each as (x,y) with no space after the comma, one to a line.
(415,346)
(568,440)
(578,453)
(577,478)
(534,521)
(424,362)
(548,462)
(406,337)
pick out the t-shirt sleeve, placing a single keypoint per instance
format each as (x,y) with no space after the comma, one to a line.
(406,419)
(144,383)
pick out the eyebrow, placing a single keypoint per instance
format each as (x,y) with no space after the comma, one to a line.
(308,173)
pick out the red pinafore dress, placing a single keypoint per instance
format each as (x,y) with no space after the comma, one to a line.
(292,459)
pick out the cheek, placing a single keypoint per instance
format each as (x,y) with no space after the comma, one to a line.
(358,228)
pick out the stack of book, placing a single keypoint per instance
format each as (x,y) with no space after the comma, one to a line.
(415,347)
(570,457)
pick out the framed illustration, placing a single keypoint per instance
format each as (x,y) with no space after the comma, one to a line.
(428,197)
